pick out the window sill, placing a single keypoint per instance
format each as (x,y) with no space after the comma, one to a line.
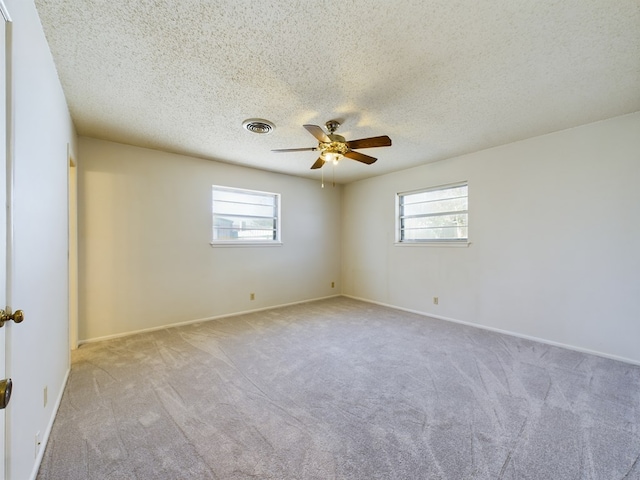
(245,244)
(433,244)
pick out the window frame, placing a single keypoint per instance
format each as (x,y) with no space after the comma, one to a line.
(450,242)
(277,241)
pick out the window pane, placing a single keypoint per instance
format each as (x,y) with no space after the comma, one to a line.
(221,233)
(444,233)
(436,206)
(243,223)
(435,221)
(242,197)
(438,194)
(243,209)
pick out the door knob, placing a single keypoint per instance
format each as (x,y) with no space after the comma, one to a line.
(5,392)
(17,316)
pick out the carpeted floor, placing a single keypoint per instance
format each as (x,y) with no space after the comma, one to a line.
(341,389)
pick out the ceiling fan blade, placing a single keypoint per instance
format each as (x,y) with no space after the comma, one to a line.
(382,141)
(317,132)
(319,163)
(310,149)
(360,157)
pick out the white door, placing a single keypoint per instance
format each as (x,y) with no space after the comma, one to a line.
(3,213)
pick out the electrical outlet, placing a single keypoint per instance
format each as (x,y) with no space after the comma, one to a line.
(435,300)
(333,284)
(252,296)
(45,395)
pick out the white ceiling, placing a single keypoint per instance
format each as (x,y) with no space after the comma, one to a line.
(441,78)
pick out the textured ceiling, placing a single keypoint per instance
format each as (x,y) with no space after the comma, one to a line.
(441,78)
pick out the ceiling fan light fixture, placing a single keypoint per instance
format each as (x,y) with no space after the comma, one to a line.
(258,125)
(332,157)
(333,151)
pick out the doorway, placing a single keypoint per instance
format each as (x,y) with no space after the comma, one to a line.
(73,251)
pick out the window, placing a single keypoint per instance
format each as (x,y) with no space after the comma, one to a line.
(433,215)
(245,216)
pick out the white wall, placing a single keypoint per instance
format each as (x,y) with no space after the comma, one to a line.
(38,349)
(144,232)
(555,232)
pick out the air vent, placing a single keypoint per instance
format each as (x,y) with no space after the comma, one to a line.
(258,125)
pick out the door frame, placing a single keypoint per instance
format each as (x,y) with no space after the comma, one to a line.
(6,177)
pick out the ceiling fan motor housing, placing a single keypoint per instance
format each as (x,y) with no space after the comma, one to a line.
(337,145)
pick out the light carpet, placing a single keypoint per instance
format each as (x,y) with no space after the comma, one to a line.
(342,389)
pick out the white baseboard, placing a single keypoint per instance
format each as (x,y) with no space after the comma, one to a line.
(505,332)
(45,437)
(199,320)
(418,312)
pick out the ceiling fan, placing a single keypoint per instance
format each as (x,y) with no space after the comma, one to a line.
(333,147)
